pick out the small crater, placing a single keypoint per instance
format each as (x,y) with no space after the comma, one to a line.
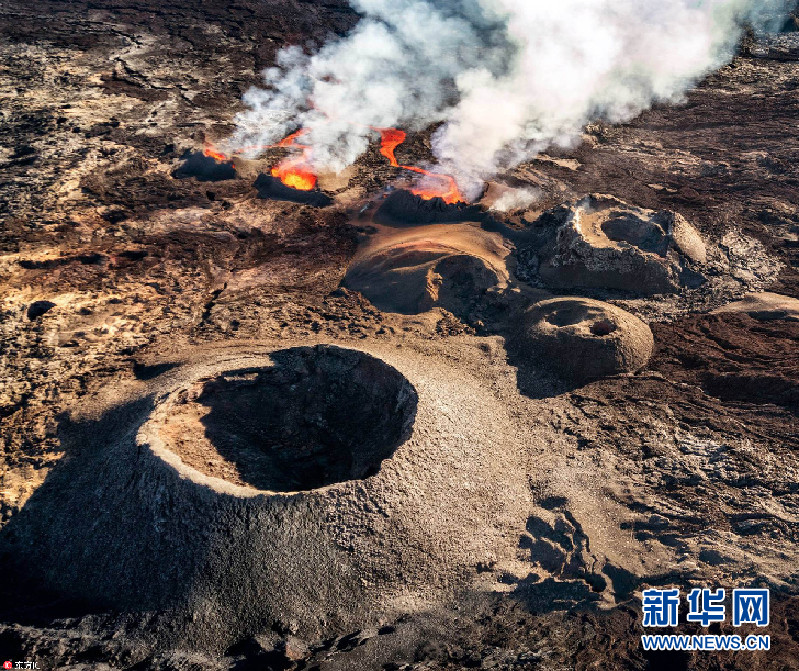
(204,168)
(566,316)
(646,235)
(603,328)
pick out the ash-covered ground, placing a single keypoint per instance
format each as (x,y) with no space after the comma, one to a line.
(118,274)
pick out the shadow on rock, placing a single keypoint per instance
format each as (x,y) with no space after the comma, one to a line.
(204,168)
(65,518)
(320,415)
(550,595)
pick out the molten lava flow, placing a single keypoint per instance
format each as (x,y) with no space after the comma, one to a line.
(435,186)
(296,173)
(447,188)
(209,150)
(291,140)
(390,139)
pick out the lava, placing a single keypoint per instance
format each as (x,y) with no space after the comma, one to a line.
(390,139)
(209,150)
(298,173)
(435,186)
(447,189)
(291,140)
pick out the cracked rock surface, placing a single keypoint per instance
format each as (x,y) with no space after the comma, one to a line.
(601,242)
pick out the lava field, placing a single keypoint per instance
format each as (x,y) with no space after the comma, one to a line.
(256,417)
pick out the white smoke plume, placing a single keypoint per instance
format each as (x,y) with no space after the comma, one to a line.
(515,199)
(504,78)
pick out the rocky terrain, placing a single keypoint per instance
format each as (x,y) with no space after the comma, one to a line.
(517,525)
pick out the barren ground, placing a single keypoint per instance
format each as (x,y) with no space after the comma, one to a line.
(696,455)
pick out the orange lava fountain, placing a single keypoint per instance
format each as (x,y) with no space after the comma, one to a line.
(437,186)
(295,171)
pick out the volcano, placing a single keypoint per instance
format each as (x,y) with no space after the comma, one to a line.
(403,207)
(272,188)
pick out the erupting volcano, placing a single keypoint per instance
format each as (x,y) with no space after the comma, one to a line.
(293,171)
(297,172)
(435,186)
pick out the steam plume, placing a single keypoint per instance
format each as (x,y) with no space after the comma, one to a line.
(504,78)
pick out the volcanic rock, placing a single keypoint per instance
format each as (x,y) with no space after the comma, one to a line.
(764,306)
(583,339)
(402,207)
(602,242)
(453,267)
(38,308)
(204,168)
(271,188)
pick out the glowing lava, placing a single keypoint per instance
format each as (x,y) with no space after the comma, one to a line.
(298,173)
(295,171)
(291,140)
(390,139)
(209,150)
(435,186)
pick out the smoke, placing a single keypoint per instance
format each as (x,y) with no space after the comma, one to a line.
(516,199)
(504,78)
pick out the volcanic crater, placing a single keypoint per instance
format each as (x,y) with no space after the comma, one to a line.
(275,427)
(318,416)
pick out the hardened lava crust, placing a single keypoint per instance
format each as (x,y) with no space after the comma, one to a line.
(244,427)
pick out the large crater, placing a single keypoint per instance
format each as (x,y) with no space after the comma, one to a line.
(318,416)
